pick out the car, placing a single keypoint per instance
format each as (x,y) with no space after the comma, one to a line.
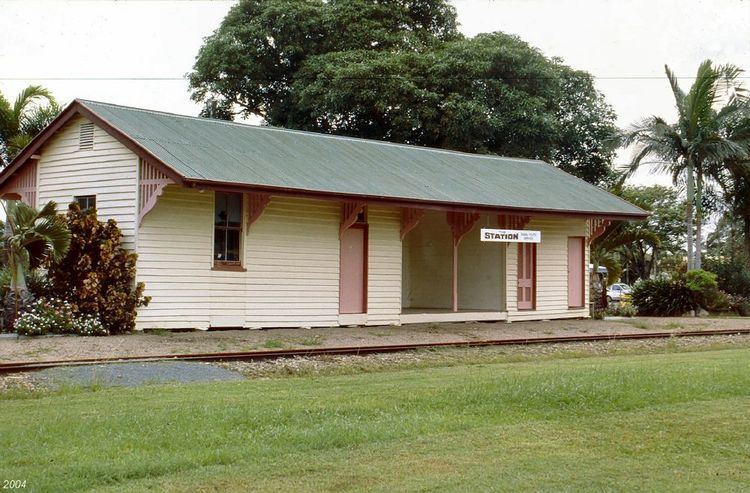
(615,291)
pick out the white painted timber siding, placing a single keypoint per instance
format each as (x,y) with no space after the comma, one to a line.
(175,243)
(291,256)
(109,171)
(384,266)
(551,271)
(292,260)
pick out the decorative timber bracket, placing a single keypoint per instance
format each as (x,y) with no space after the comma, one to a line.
(409,220)
(350,210)
(461,223)
(256,204)
(151,184)
(511,221)
(596,228)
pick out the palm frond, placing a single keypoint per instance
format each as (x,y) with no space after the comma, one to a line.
(679,94)
(28,96)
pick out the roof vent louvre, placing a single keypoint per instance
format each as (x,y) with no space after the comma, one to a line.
(86,140)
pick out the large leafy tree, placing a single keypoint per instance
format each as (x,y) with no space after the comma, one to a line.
(399,70)
(643,258)
(32,110)
(689,148)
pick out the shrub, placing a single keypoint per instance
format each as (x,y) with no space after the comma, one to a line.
(739,305)
(732,275)
(55,316)
(621,310)
(97,275)
(702,284)
(680,294)
(46,316)
(87,324)
(662,297)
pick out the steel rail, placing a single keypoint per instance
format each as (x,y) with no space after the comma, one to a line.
(20,366)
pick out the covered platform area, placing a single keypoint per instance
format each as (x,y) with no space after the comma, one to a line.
(448,274)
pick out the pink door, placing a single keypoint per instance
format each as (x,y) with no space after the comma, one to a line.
(353,270)
(526,276)
(576,272)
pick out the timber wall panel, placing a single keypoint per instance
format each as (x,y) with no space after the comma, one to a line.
(384,266)
(551,271)
(175,244)
(109,171)
(292,261)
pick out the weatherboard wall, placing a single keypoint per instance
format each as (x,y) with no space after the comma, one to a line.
(291,257)
(551,271)
(109,171)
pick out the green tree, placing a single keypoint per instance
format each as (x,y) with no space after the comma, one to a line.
(30,238)
(641,259)
(398,70)
(33,109)
(699,138)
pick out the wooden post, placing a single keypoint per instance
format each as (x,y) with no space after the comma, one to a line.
(455,276)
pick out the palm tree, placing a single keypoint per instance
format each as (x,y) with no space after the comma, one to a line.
(33,109)
(697,139)
(31,237)
(605,249)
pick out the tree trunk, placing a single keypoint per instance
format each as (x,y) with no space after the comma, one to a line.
(746,240)
(698,220)
(689,213)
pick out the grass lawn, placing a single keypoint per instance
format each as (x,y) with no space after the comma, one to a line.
(658,422)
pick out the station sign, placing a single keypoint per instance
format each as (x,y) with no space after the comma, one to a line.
(511,235)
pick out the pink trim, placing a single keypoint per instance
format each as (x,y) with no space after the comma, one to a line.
(257,203)
(596,228)
(353,270)
(23,185)
(512,221)
(151,184)
(349,212)
(409,220)
(576,271)
(526,276)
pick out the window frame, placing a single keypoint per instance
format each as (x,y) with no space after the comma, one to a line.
(77,199)
(229,265)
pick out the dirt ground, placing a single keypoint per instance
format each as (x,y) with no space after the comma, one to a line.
(153,343)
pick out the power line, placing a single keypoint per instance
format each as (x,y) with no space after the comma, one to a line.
(385,77)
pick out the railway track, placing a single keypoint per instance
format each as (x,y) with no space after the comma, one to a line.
(22,366)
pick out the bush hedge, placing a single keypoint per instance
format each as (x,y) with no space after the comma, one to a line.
(97,276)
(662,297)
(55,316)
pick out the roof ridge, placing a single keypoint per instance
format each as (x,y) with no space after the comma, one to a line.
(319,134)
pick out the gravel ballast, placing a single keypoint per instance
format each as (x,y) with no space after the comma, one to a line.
(133,374)
(154,343)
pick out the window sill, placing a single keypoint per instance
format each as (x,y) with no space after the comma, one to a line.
(228,268)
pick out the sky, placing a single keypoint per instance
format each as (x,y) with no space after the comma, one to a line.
(136,52)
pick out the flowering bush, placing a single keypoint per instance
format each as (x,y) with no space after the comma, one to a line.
(88,324)
(55,316)
(46,316)
(98,275)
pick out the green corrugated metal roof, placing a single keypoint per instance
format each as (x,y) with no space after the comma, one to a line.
(215,150)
